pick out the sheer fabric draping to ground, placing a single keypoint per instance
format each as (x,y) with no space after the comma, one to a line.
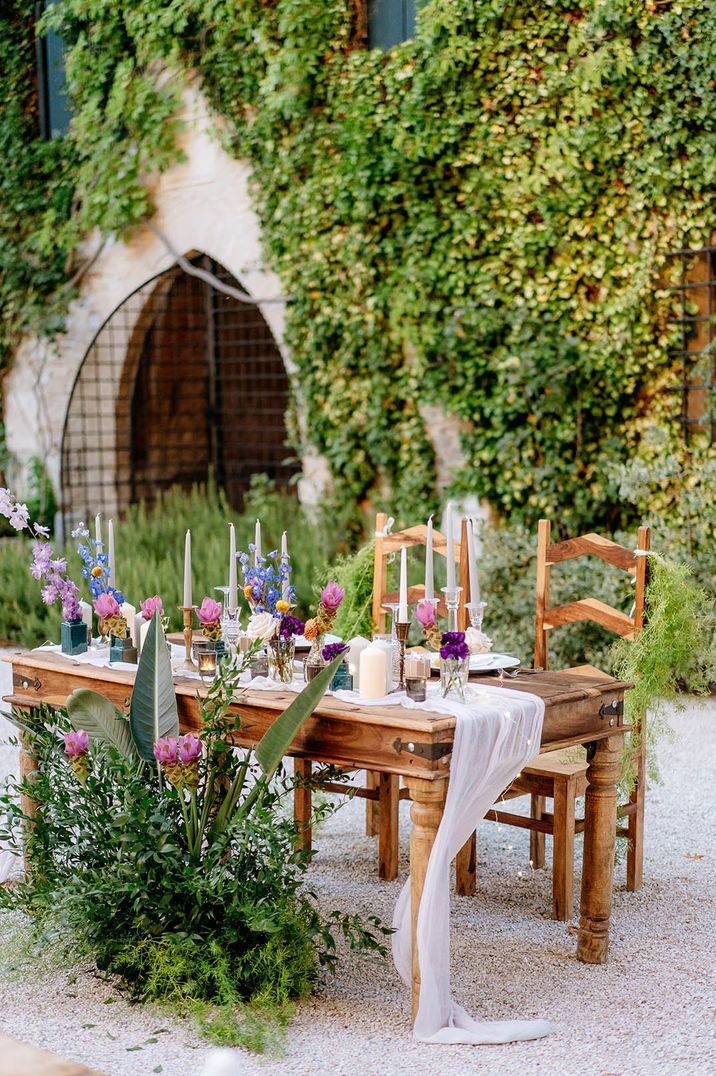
(497,733)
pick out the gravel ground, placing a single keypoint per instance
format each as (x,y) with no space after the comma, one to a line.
(649,1011)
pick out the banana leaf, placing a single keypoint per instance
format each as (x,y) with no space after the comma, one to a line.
(276,741)
(95,714)
(153,710)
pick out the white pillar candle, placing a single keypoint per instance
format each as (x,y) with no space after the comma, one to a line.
(87,615)
(110,550)
(129,612)
(284,560)
(403,593)
(450,550)
(355,649)
(146,624)
(138,623)
(187,570)
(372,672)
(429,583)
(98,528)
(233,597)
(257,542)
(472,560)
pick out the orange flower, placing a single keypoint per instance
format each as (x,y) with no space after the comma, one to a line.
(311,630)
(282,606)
(247,590)
(97,571)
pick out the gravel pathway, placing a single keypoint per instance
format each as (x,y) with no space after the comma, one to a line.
(650,1011)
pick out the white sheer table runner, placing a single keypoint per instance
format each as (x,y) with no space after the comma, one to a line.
(497,732)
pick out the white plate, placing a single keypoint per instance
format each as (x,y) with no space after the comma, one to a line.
(484,662)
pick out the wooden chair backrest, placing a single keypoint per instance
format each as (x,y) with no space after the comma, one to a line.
(385,544)
(549,554)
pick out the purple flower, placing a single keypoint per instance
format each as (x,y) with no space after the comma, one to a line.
(425,613)
(189,748)
(454,646)
(209,611)
(71,608)
(76,743)
(165,750)
(106,606)
(290,625)
(49,594)
(151,605)
(332,595)
(333,650)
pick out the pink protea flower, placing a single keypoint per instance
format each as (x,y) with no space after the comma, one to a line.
(165,750)
(106,606)
(209,611)
(76,743)
(332,595)
(189,748)
(150,606)
(425,613)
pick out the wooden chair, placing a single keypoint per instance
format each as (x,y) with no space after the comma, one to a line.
(554,776)
(382,791)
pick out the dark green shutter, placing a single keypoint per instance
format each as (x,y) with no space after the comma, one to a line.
(55,111)
(390,22)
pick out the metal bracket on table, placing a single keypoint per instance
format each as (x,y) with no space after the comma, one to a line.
(430,751)
(26,683)
(612,710)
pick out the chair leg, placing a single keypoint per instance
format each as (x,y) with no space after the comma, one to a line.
(372,807)
(537,839)
(466,868)
(302,768)
(565,794)
(389,788)
(635,828)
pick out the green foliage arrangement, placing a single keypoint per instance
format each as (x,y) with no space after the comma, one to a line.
(181,876)
(479,218)
(673,649)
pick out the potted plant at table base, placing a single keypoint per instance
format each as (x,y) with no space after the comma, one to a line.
(172,859)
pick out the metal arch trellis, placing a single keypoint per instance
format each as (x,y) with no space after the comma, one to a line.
(181,379)
(695,352)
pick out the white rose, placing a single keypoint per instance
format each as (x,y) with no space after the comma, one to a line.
(261,626)
(478,642)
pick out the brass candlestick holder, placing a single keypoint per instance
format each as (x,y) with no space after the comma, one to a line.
(188,611)
(402,627)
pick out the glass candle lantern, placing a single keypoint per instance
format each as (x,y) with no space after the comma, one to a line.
(417,674)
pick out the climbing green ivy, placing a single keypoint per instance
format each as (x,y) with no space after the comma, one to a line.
(478,219)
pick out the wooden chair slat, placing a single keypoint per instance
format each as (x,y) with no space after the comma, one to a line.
(594,544)
(589,609)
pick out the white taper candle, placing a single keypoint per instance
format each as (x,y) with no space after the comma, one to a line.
(284,560)
(98,528)
(257,542)
(187,570)
(110,550)
(472,559)
(233,598)
(429,583)
(403,593)
(450,550)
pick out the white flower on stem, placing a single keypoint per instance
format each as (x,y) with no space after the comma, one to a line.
(261,626)
(19,517)
(478,642)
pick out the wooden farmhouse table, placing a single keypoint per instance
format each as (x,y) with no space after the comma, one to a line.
(582,706)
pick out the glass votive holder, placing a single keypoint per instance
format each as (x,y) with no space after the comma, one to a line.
(259,664)
(206,659)
(417,674)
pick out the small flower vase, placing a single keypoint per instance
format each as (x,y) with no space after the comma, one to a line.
(281,651)
(259,664)
(103,627)
(315,660)
(73,637)
(453,676)
(342,679)
(122,649)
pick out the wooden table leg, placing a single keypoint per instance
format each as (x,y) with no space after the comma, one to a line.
(426,811)
(466,868)
(388,835)
(28,773)
(372,807)
(604,757)
(302,768)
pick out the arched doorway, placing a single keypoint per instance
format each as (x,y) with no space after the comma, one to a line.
(181,380)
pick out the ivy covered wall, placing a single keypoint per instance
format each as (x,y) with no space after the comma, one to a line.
(479,217)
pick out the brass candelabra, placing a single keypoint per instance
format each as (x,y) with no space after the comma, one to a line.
(188,613)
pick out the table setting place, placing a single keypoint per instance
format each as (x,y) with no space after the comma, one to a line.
(497,729)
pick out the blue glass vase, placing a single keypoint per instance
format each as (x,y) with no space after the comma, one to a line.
(73,637)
